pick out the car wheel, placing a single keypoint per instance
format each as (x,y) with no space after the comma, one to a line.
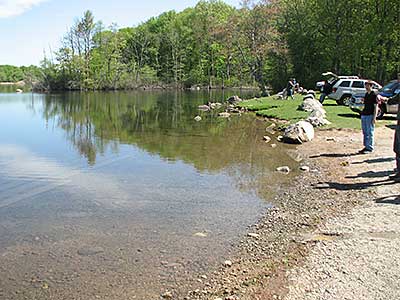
(345,100)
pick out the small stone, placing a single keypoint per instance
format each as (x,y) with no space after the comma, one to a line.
(305,168)
(267,139)
(200,234)
(197,118)
(167,295)
(253,235)
(274,145)
(330,139)
(224,115)
(203,277)
(284,169)
(228,263)
(279,138)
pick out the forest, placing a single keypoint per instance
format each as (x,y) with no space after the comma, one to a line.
(214,45)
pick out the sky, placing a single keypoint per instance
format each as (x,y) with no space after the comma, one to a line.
(28,28)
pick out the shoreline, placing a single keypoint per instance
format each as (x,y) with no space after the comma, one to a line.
(286,235)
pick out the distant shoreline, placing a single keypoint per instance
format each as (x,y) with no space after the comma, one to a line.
(18,83)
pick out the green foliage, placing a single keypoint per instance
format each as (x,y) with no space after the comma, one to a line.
(11,74)
(216,45)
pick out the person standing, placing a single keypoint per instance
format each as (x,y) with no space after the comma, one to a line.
(368,118)
(396,145)
(326,90)
(289,89)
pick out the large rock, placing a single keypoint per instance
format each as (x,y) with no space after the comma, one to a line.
(318,118)
(311,104)
(299,133)
(312,92)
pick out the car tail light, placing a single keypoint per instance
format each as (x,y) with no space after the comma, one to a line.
(334,90)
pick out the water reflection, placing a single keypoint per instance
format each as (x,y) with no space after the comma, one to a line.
(99,190)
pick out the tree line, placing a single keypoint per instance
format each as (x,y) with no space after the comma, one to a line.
(213,44)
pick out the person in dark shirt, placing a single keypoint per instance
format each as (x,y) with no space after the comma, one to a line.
(326,90)
(289,89)
(368,119)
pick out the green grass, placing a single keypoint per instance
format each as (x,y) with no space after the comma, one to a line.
(339,116)
(279,109)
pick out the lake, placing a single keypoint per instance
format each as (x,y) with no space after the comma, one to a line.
(123,195)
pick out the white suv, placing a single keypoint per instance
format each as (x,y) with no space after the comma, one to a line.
(343,89)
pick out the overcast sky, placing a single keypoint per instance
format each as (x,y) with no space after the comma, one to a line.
(30,27)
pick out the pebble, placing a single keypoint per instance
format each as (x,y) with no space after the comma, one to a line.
(228,263)
(253,235)
(267,139)
(305,168)
(284,169)
(200,234)
(197,118)
(167,295)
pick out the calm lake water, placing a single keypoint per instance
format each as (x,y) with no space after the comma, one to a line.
(122,195)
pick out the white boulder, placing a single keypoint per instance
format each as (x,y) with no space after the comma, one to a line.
(299,133)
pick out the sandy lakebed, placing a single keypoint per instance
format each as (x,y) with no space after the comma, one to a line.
(332,234)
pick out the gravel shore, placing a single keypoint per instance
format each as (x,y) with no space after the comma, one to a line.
(332,234)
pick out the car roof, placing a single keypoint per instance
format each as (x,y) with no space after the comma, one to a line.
(341,76)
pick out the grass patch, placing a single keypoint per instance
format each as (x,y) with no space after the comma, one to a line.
(279,109)
(339,116)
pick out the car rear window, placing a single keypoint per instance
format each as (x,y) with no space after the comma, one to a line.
(358,84)
(345,84)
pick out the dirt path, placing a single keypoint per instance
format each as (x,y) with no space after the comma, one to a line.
(355,256)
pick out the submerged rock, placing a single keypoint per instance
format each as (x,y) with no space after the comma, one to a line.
(299,133)
(89,251)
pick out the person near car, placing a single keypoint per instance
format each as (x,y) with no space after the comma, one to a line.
(396,147)
(289,89)
(325,91)
(368,118)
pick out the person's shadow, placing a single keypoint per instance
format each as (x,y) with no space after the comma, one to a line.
(394,199)
(335,155)
(374,160)
(357,186)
